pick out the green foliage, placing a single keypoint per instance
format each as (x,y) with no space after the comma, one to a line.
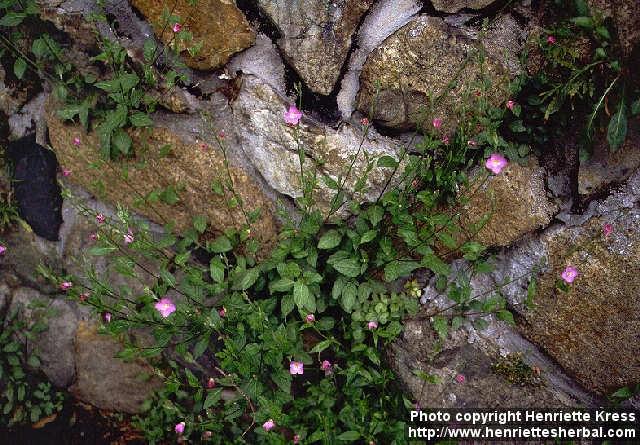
(24,396)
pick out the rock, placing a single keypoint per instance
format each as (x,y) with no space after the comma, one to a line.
(35,186)
(316,36)
(474,355)
(189,168)
(55,345)
(626,18)
(606,167)
(271,146)
(105,381)
(261,60)
(515,201)
(218,25)
(422,61)
(385,17)
(595,323)
(453,6)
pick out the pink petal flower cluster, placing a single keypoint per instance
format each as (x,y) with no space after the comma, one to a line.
(296,438)
(222,312)
(364,121)
(437,123)
(310,318)
(66,172)
(76,141)
(100,218)
(180,427)
(269,425)
(496,163)
(326,367)
(460,378)
(66,285)
(569,274)
(3,249)
(211,383)
(165,306)
(128,238)
(292,116)
(106,317)
(607,229)
(511,104)
(551,40)
(177,27)
(296,368)
(372,325)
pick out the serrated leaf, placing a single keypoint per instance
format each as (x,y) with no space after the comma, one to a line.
(200,223)
(324,344)
(349,296)
(302,297)
(349,436)
(139,119)
(281,285)
(397,268)
(506,316)
(100,251)
(375,214)
(12,19)
(345,264)
(216,268)
(244,280)
(19,67)
(212,398)
(220,245)
(441,326)
(387,161)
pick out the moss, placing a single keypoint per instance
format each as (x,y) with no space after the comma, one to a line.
(514,369)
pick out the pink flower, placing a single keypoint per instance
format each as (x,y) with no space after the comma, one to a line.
(437,123)
(511,104)
(203,147)
(496,163)
(460,378)
(128,238)
(106,317)
(66,285)
(551,40)
(296,438)
(326,367)
(269,425)
(3,249)
(364,121)
(180,427)
(222,312)
(165,306)
(83,297)
(207,434)
(607,229)
(445,139)
(100,218)
(296,368)
(293,115)
(211,383)
(471,143)
(93,237)
(177,27)
(372,325)
(76,141)
(310,318)
(569,274)
(66,172)
(221,134)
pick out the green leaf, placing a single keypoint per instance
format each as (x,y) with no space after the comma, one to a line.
(217,270)
(12,19)
(582,8)
(200,223)
(100,251)
(617,131)
(330,240)
(396,269)
(583,22)
(375,214)
(302,297)
(387,161)
(121,141)
(441,326)
(287,305)
(507,316)
(435,264)
(201,346)
(220,245)
(281,285)
(324,344)
(212,398)
(349,296)
(246,279)
(367,236)
(19,67)
(635,107)
(345,264)
(139,119)
(348,436)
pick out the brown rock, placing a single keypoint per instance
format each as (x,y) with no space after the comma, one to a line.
(453,6)
(513,203)
(106,381)
(188,167)
(218,25)
(626,18)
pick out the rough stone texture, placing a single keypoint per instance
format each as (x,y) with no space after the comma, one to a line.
(54,346)
(316,36)
(261,60)
(453,6)
(472,353)
(105,381)
(271,146)
(626,18)
(515,201)
(596,323)
(417,64)
(605,167)
(218,24)
(384,18)
(190,167)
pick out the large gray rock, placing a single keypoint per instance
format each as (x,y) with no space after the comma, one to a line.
(271,146)
(316,36)
(453,6)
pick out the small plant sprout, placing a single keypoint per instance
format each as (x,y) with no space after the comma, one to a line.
(496,163)
(569,274)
